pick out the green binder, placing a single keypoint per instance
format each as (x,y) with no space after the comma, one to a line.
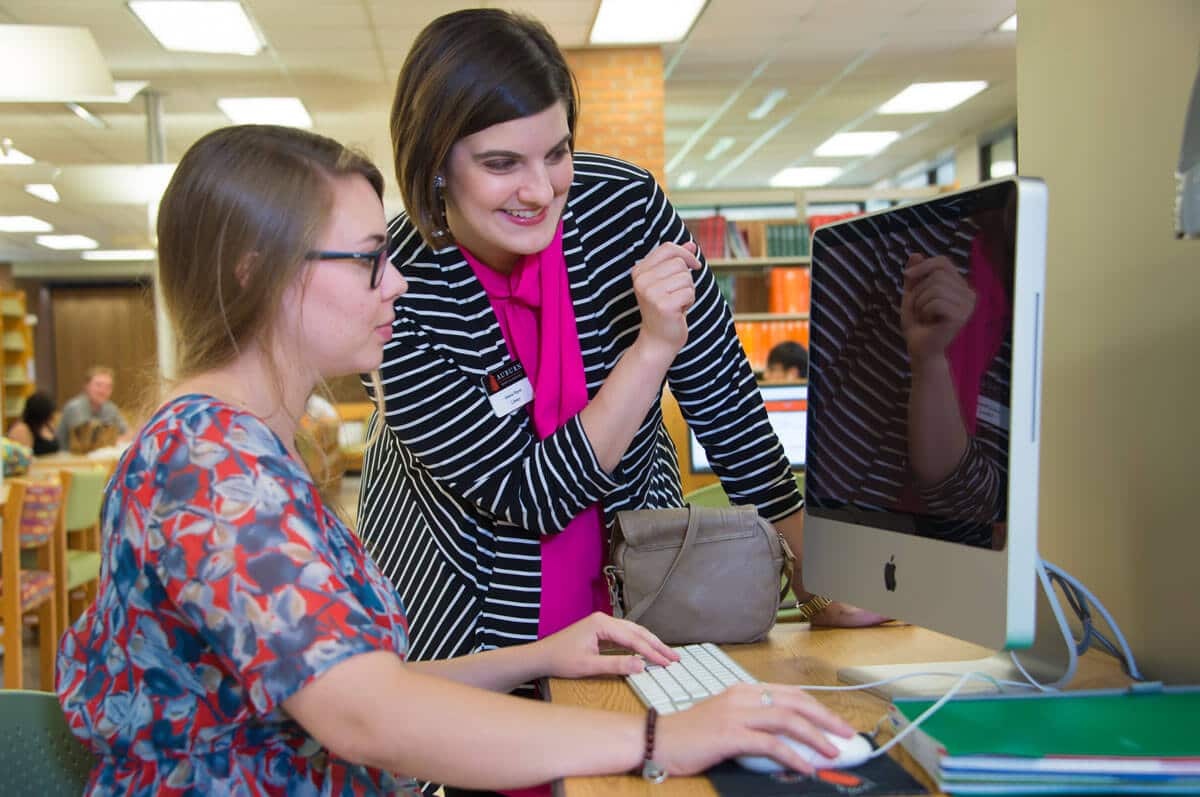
(1158,724)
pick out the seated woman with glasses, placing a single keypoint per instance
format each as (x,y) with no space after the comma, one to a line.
(242,641)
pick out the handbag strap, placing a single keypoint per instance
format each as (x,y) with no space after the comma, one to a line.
(689,538)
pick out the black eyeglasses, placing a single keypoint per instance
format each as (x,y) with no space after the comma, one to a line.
(376,258)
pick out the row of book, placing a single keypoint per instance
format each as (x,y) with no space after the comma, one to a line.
(1100,742)
(759,337)
(721,238)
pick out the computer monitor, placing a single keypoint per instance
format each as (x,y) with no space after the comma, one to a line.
(787,406)
(924,385)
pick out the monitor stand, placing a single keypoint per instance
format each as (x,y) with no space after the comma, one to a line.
(1049,660)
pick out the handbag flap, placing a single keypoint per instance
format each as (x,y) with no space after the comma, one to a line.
(647,530)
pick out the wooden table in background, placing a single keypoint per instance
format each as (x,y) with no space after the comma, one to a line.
(794,653)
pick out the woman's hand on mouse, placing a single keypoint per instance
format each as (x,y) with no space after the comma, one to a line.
(662,283)
(746,719)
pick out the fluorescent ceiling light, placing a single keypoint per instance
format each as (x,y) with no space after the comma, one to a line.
(118,254)
(199,26)
(1002,169)
(44,191)
(933,97)
(848,145)
(723,143)
(644,21)
(805,176)
(87,116)
(24,224)
(265,111)
(768,104)
(66,242)
(1009,24)
(11,156)
(686,179)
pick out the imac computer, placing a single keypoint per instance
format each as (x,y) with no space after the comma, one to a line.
(787,406)
(923,411)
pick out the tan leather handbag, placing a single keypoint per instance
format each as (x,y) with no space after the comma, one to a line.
(698,574)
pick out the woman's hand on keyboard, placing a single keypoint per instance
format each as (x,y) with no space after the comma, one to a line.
(740,721)
(575,651)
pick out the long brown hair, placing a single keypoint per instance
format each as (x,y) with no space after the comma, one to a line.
(242,210)
(467,71)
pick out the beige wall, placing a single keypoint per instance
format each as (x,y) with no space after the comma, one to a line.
(1102,94)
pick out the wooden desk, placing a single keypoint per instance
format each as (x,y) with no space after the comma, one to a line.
(794,653)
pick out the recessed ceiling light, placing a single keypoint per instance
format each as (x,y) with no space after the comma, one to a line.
(686,179)
(118,254)
(933,97)
(849,145)
(1009,24)
(639,22)
(199,26)
(24,224)
(265,111)
(44,191)
(11,156)
(718,149)
(66,242)
(768,104)
(805,176)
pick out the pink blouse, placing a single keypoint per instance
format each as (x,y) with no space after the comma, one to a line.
(537,318)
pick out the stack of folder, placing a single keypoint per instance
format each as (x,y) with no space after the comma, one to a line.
(1126,742)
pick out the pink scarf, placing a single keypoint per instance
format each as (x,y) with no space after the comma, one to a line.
(533,306)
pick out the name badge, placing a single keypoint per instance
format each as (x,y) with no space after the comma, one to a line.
(508,389)
(992,412)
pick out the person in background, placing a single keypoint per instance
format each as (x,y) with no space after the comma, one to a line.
(554,292)
(242,641)
(93,405)
(35,429)
(786,362)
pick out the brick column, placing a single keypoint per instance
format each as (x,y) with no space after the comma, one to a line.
(621,104)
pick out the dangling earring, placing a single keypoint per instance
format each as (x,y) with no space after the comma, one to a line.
(439,185)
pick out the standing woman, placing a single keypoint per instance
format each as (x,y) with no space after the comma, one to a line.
(552,293)
(242,641)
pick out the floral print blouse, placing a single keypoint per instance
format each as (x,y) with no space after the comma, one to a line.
(226,587)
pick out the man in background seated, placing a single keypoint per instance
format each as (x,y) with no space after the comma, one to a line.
(93,407)
(786,362)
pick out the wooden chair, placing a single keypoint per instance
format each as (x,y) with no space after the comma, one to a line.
(31,545)
(79,523)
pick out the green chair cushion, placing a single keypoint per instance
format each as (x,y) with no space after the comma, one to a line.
(82,567)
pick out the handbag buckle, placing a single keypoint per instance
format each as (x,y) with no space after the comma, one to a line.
(613,577)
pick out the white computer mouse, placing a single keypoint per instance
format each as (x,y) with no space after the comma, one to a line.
(851,752)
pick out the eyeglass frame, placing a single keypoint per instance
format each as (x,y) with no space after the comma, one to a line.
(375,258)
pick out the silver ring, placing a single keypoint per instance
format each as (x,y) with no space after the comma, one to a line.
(766,699)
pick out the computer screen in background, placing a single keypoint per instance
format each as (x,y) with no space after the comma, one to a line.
(787,406)
(957,554)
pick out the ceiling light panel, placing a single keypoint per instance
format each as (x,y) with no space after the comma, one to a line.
(805,176)
(644,21)
(719,148)
(1009,24)
(24,224)
(44,191)
(288,111)
(767,105)
(851,145)
(127,255)
(10,156)
(199,26)
(932,97)
(66,242)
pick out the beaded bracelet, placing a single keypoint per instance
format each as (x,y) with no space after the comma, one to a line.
(651,770)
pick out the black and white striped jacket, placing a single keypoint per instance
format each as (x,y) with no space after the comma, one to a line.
(454,499)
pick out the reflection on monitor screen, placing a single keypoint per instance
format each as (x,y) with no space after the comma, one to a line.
(787,409)
(921,485)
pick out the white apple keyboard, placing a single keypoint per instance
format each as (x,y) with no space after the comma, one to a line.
(705,670)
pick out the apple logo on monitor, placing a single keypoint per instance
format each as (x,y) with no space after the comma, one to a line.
(889,574)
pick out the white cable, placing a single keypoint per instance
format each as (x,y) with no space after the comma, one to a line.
(997,682)
(1108,619)
(1068,638)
